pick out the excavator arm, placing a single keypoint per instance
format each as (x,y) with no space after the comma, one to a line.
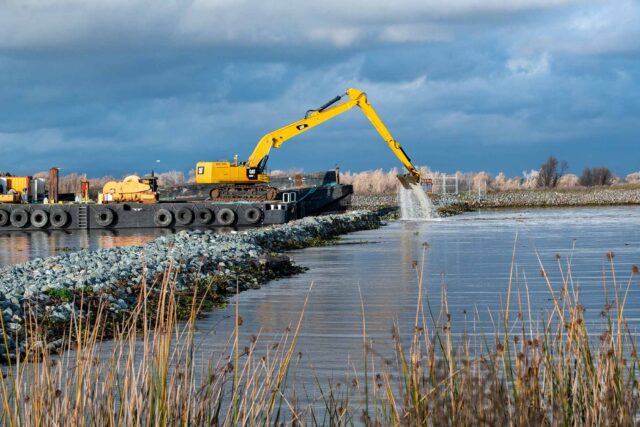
(257,161)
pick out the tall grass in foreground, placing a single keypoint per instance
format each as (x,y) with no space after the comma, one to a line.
(522,373)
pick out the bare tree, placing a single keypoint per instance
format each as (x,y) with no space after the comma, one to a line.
(596,176)
(550,172)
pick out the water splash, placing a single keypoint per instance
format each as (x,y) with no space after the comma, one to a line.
(414,203)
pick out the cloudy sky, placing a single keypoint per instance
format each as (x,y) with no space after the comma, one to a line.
(113,86)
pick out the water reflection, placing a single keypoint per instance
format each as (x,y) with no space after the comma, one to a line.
(469,256)
(17,247)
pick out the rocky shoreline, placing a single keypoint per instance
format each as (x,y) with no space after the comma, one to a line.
(451,204)
(559,198)
(52,290)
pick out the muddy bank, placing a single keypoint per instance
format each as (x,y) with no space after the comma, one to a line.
(53,289)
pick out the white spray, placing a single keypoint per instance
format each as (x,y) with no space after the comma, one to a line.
(414,203)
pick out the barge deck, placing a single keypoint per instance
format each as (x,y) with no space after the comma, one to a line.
(292,203)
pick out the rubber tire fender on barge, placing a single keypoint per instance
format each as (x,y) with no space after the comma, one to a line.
(252,215)
(226,216)
(184,216)
(4,217)
(163,217)
(204,216)
(19,217)
(39,218)
(58,217)
(104,217)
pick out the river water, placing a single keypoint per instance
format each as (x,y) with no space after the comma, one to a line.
(470,256)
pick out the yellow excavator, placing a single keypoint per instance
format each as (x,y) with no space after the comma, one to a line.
(248,180)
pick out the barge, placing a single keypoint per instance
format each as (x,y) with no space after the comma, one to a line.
(185,206)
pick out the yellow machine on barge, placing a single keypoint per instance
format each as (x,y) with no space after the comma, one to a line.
(248,180)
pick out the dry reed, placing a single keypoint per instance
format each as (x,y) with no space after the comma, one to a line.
(522,373)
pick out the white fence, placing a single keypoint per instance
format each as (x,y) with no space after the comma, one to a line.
(458,184)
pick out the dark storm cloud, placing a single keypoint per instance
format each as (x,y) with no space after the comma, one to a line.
(113,86)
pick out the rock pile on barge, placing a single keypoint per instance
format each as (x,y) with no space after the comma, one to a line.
(51,288)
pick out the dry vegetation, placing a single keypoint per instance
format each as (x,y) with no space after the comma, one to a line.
(523,373)
(379,181)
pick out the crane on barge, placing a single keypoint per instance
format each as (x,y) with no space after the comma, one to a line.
(248,181)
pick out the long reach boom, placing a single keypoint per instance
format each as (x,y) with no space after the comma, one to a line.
(258,158)
(248,180)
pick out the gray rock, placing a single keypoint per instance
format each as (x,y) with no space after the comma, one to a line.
(193,254)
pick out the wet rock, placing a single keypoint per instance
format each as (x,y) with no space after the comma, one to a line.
(15,327)
(275,262)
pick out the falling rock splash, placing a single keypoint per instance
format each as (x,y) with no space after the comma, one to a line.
(415,205)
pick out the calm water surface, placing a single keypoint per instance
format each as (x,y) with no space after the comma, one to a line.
(470,256)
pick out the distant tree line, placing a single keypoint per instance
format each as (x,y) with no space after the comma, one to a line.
(595,176)
(552,170)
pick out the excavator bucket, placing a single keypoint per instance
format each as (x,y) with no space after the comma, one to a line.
(407,179)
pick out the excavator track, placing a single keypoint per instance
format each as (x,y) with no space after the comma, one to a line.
(238,192)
